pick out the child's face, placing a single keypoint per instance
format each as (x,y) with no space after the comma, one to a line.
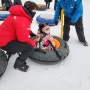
(34,10)
(46,29)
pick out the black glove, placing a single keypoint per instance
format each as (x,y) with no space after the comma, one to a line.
(56,22)
(72,24)
(32,34)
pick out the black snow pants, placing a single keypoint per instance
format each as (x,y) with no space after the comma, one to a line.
(15,47)
(78,26)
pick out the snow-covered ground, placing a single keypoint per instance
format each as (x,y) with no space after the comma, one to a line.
(73,73)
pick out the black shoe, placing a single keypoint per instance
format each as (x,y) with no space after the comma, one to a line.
(84,43)
(48,7)
(26,64)
(21,65)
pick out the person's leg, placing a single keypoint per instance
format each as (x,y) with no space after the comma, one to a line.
(17,2)
(80,31)
(16,46)
(7,8)
(2,1)
(48,5)
(8,4)
(66,28)
(24,49)
(20,62)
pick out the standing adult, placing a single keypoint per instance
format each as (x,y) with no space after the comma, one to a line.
(73,15)
(48,3)
(2,2)
(6,4)
(15,33)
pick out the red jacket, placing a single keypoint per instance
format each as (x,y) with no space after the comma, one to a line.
(16,27)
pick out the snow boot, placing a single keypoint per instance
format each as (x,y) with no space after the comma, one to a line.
(21,65)
(84,43)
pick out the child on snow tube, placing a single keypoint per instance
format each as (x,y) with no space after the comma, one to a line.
(43,37)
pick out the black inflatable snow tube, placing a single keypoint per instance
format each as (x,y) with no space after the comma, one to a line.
(41,7)
(3,62)
(50,55)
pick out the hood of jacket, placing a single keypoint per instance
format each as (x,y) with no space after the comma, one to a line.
(18,10)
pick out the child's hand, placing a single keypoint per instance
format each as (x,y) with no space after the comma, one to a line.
(47,37)
(50,38)
(38,36)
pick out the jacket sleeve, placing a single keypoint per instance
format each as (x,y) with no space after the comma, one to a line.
(22,27)
(78,11)
(57,11)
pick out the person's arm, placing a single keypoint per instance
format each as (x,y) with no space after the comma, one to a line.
(23,31)
(78,11)
(57,11)
(38,36)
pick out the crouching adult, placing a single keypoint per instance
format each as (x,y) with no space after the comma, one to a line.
(15,33)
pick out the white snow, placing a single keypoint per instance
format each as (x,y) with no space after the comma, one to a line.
(73,73)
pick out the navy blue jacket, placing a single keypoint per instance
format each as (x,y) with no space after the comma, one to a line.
(72,9)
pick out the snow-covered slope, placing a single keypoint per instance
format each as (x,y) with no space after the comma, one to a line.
(73,73)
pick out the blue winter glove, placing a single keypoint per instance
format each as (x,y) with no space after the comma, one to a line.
(72,24)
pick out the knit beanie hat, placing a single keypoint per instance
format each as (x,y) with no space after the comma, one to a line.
(42,25)
(30,5)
